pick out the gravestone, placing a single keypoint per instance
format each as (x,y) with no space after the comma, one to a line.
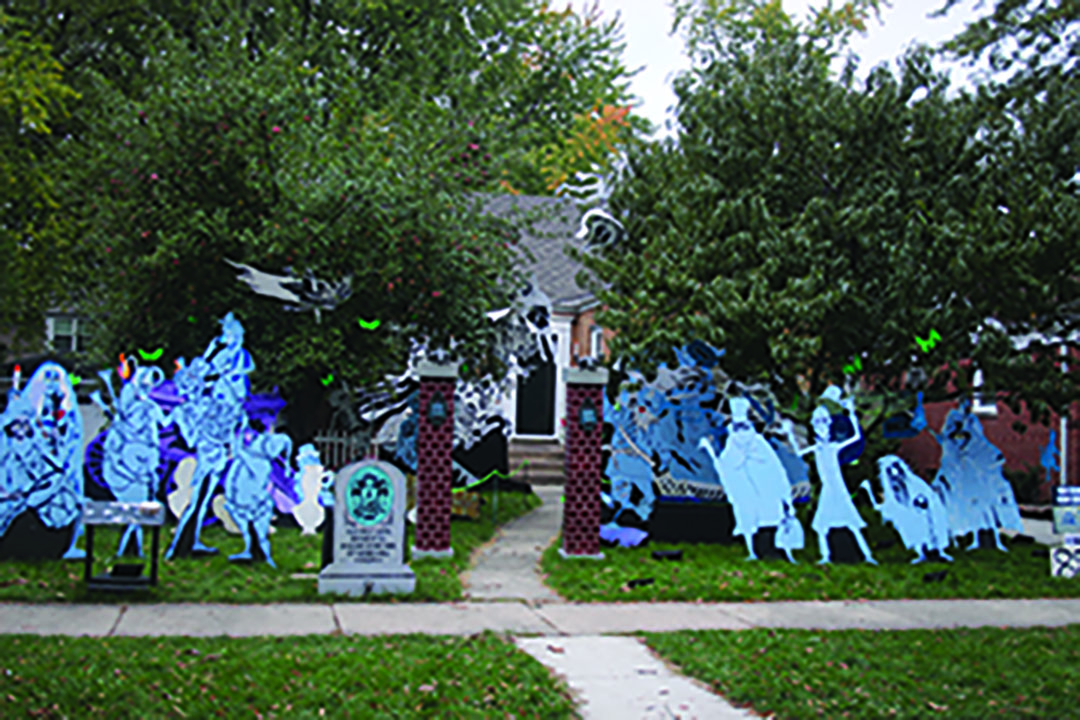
(369,532)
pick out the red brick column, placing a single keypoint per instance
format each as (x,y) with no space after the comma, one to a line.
(581,509)
(434,470)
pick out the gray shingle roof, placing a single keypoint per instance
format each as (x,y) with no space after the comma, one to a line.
(556,225)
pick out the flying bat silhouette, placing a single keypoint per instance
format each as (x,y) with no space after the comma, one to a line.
(303,294)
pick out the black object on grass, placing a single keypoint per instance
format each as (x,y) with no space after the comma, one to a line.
(667,554)
(1040,553)
(1023,540)
(639,582)
(935,576)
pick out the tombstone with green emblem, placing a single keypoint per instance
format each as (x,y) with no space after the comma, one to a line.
(369,532)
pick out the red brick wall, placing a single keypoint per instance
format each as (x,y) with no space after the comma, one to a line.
(581,336)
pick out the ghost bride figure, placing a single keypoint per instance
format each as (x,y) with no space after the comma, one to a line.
(835,508)
(755,482)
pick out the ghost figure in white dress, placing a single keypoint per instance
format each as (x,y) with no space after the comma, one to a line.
(308,513)
(912,507)
(835,508)
(755,482)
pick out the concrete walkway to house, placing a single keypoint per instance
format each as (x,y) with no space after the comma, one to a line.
(508,567)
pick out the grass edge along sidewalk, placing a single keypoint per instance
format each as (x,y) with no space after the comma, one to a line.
(215,579)
(959,673)
(720,573)
(479,676)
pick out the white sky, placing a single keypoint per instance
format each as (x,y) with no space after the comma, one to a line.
(649,43)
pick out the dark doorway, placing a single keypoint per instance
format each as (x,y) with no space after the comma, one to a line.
(536,402)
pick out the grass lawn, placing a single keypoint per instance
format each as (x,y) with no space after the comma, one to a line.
(720,573)
(978,673)
(481,676)
(215,579)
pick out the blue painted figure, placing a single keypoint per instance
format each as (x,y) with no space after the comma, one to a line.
(216,435)
(133,441)
(228,360)
(1049,456)
(905,425)
(912,507)
(835,508)
(977,495)
(630,464)
(59,422)
(247,486)
(40,453)
(755,483)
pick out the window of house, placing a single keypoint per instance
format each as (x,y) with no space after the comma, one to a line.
(982,405)
(66,333)
(596,342)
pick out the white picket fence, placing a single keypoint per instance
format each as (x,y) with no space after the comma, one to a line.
(338,448)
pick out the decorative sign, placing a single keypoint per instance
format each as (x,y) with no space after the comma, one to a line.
(1064,562)
(1066,510)
(369,532)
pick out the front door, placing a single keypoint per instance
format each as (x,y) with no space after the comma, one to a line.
(536,402)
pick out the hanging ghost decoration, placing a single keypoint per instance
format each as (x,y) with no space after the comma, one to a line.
(305,294)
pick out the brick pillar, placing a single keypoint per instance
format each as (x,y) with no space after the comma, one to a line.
(434,470)
(581,510)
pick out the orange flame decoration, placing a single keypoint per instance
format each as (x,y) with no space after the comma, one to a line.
(179,367)
(124,369)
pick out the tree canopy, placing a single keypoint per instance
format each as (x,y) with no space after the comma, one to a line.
(344,139)
(820,223)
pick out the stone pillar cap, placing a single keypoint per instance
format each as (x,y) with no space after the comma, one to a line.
(578,376)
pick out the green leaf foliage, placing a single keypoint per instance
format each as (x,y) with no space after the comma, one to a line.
(803,218)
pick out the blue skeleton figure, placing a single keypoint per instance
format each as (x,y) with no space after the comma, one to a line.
(133,442)
(835,508)
(912,507)
(977,495)
(61,431)
(247,486)
(214,439)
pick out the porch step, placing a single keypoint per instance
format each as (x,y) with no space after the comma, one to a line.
(546,461)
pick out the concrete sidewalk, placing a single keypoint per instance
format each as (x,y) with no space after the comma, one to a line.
(520,618)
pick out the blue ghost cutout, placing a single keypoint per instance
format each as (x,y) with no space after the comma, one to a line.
(835,508)
(41,460)
(977,495)
(756,483)
(912,507)
(248,496)
(215,387)
(133,441)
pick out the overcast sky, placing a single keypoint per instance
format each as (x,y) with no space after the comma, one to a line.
(649,43)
